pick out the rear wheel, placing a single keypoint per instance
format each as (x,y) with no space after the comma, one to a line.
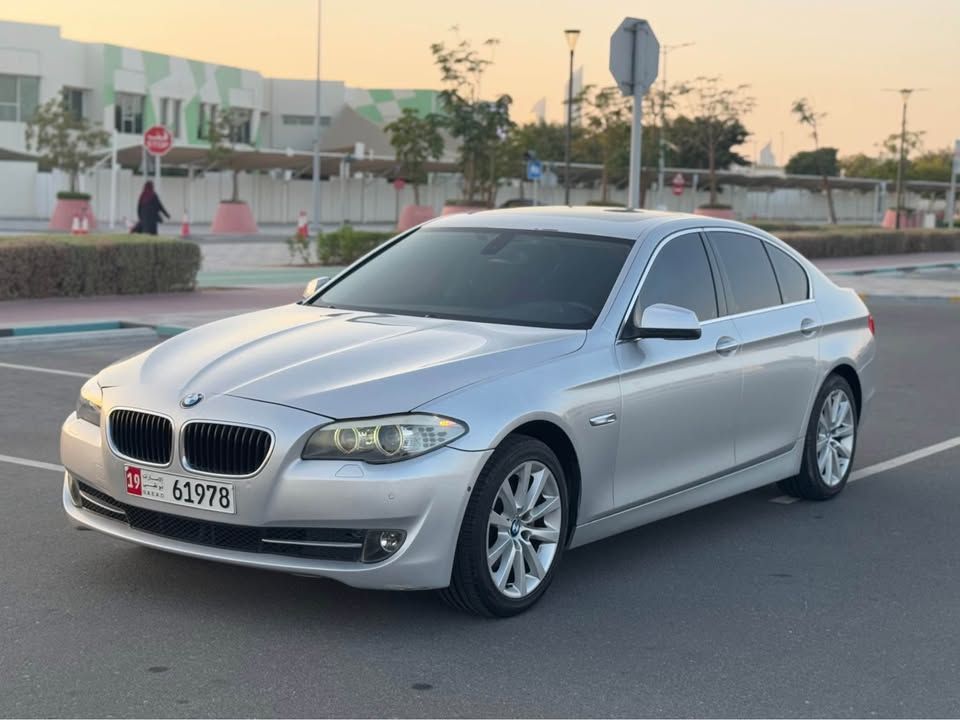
(513,532)
(830,444)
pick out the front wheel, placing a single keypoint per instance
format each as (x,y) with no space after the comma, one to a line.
(830,443)
(513,532)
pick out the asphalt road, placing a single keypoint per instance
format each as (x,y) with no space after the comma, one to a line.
(743,608)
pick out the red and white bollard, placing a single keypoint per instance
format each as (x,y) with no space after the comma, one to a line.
(302,226)
(185,226)
(84,225)
(75,225)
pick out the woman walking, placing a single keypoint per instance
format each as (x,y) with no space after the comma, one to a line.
(149,210)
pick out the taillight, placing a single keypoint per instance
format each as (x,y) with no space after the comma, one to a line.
(872,325)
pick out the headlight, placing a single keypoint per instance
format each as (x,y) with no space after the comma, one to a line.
(382,440)
(89,402)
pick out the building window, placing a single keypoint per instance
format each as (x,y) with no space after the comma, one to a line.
(305,120)
(240,120)
(19,97)
(208,113)
(170,115)
(73,100)
(128,113)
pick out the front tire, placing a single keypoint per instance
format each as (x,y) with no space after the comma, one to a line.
(513,532)
(830,444)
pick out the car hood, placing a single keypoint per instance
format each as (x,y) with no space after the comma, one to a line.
(338,363)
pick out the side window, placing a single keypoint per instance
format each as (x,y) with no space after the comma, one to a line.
(753,286)
(681,276)
(791,276)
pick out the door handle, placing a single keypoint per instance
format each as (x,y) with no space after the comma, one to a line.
(727,345)
(809,327)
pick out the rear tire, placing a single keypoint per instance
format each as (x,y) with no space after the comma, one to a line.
(830,444)
(513,533)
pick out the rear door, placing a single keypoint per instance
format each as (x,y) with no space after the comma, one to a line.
(768,298)
(679,396)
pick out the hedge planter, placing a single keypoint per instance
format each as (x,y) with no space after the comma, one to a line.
(723,213)
(67,209)
(233,218)
(413,215)
(852,243)
(58,265)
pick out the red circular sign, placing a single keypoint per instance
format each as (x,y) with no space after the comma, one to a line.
(399,184)
(678,184)
(157,140)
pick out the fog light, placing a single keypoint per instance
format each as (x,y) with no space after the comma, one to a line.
(391,541)
(381,544)
(74,490)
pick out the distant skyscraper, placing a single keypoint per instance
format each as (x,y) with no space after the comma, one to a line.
(767,158)
(539,110)
(577,89)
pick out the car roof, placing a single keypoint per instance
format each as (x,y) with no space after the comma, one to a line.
(606,221)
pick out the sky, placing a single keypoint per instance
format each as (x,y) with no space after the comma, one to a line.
(840,54)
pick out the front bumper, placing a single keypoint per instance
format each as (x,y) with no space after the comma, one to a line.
(425,497)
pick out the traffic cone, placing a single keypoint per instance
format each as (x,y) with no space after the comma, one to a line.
(84,225)
(185,226)
(75,225)
(302,224)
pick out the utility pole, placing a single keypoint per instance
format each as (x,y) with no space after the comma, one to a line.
(665,50)
(905,93)
(316,128)
(571,36)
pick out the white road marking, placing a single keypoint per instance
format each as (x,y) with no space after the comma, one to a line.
(50,371)
(888,465)
(31,463)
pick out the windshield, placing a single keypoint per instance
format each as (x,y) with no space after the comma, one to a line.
(517,277)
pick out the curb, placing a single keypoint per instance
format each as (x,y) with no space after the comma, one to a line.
(932,299)
(892,270)
(89,331)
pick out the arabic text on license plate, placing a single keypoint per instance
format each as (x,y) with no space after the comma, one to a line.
(178,490)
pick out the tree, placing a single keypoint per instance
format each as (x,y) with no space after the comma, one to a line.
(607,136)
(864,166)
(933,165)
(63,141)
(806,115)
(223,130)
(480,125)
(687,145)
(717,111)
(415,140)
(814,162)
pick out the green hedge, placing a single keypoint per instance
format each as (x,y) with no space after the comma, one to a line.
(343,246)
(842,242)
(48,266)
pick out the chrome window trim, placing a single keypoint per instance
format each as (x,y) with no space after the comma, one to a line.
(113,448)
(187,467)
(702,232)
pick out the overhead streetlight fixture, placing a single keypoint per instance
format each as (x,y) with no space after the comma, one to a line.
(572,36)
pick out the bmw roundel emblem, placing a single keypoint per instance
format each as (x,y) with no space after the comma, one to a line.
(190,400)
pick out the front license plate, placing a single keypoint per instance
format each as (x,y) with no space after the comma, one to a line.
(178,490)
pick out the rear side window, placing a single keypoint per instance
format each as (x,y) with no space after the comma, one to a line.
(790,275)
(681,276)
(753,286)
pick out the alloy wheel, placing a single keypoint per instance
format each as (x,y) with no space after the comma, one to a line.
(835,436)
(524,529)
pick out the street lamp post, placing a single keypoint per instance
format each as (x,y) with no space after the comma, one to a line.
(316,129)
(905,93)
(572,36)
(665,51)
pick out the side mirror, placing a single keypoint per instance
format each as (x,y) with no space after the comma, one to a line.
(314,285)
(664,321)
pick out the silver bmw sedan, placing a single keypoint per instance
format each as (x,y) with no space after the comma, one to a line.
(477,396)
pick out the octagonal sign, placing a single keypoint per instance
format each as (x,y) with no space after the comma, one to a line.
(634,56)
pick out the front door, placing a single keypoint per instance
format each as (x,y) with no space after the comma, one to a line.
(680,397)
